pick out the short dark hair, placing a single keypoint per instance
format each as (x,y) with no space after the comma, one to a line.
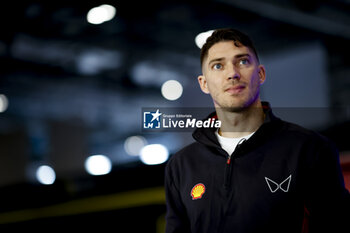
(227,34)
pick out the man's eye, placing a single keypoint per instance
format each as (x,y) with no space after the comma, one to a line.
(217,66)
(244,62)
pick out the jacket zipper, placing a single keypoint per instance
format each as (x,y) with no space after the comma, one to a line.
(228,172)
(228,168)
(227,182)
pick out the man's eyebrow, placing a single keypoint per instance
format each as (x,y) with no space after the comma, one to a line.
(236,56)
(216,60)
(243,55)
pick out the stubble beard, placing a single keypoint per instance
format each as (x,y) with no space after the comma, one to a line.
(236,104)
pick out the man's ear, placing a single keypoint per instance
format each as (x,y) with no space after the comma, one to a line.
(203,84)
(262,74)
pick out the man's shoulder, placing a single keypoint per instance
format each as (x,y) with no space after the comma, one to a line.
(187,150)
(304,133)
(186,154)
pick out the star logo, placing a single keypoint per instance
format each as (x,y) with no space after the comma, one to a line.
(151,120)
(156,115)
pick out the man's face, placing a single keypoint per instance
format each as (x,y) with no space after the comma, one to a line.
(232,76)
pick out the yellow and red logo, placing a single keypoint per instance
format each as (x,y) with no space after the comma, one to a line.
(197,191)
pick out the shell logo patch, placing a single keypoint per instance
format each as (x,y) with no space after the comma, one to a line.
(197,191)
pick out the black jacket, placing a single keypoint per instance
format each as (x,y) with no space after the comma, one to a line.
(283,179)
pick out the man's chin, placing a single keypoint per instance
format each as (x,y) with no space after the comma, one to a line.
(232,108)
(238,105)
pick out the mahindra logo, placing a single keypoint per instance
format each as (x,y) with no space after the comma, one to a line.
(274,186)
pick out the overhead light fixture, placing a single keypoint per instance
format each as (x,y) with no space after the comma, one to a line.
(171,90)
(98,165)
(154,154)
(202,37)
(101,14)
(45,175)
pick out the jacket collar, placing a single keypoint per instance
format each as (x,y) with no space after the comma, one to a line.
(207,136)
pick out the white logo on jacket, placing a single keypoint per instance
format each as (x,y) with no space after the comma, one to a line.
(274,186)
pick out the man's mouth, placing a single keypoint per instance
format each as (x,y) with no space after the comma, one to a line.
(236,89)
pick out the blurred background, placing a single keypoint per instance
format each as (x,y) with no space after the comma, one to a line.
(75,76)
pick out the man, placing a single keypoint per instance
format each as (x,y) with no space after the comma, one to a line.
(257,173)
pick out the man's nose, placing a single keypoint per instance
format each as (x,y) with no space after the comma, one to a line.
(233,73)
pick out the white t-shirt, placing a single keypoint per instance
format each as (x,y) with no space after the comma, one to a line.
(229,144)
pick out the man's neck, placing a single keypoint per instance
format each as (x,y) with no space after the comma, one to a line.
(240,123)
